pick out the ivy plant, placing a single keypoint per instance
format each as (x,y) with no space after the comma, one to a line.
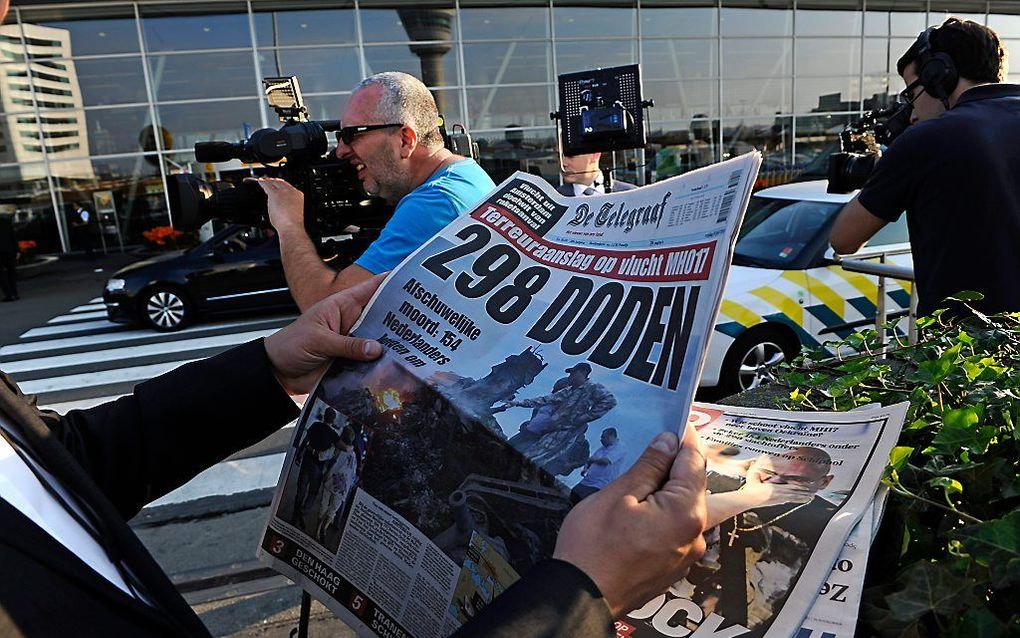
(946,561)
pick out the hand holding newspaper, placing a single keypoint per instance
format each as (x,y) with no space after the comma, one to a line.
(532,349)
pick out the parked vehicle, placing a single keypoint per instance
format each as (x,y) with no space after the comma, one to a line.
(238,269)
(785,289)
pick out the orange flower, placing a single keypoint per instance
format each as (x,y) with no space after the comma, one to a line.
(26,245)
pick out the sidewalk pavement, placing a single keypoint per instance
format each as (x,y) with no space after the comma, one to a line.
(49,290)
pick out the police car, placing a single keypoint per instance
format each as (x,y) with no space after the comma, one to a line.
(785,290)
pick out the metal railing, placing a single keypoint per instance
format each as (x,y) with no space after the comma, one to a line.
(860,262)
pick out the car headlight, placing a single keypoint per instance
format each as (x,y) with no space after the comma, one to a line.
(115,285)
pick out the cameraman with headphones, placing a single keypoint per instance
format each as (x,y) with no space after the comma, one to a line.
(391,135)
(955,171)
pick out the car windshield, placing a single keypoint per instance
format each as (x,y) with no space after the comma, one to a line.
(776,231)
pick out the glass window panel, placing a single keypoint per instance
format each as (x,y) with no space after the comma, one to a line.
(403,25)
(828,56)
(681,100)
(102,81)
(137,193)
(973,10)
(813,22)
(41,42)
(508,63)
(897,47)
(322,70)
(1012,49)
(756,57)
(756,22)
(817,138)
(448,103)
(325,26)
(582,55)
(322,107)
(679,59)
(95,131)
(876,56)
(586,22)
(1005,19)
(877,93)
(499,107)
(88,37)
(677,147)
(907,23)
(771,135)
(212,121)
(498,23)
(16,90)
(670,22)
(437,65)
(202,75)
(827,94)
(756,97)
(501,153)
(25,194)
(186,32)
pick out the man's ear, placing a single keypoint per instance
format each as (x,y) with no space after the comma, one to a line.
(408,141)
(825,481)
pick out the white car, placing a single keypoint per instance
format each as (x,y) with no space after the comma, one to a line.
(785,290)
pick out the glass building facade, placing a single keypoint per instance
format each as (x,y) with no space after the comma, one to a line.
(102,101)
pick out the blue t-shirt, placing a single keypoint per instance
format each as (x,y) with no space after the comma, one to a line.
(452,190)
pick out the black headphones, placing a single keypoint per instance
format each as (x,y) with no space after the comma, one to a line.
(936,71)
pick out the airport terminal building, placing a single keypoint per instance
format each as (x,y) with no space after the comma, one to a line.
(103,100)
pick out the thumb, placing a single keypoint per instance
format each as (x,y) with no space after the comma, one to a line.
(651,469)
(337,345)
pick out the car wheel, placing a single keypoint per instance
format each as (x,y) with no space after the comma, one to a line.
(753,354)
(166,309)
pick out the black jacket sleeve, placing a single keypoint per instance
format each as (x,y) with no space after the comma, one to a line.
(553,600)
(172,427)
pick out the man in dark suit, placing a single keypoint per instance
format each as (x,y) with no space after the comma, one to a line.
(69,564)
(582,176)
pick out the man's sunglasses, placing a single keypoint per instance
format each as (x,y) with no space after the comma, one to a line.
(907,95)
(348,133)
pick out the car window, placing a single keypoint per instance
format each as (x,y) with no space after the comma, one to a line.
(894,233)
(246,238)
(776,231)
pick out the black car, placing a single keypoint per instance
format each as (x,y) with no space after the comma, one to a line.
(238,269)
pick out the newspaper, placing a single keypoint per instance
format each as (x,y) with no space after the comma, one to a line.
(786,489)
(532,349)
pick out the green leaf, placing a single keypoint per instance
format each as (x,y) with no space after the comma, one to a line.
(949,485)
(993,544)
(960,431)
(967,295)
(978,623)
(923,588)
(899,456)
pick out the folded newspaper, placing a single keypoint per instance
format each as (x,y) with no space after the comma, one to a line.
(532,349)
(792,510)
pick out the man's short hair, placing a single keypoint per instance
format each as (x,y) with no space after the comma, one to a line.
(975,49)
(405,100)
(611,431)
(329,415)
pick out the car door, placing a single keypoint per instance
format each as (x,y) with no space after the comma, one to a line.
(242,271)
(844,302)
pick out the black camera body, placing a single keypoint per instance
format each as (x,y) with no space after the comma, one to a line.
(860,145)
(336,207)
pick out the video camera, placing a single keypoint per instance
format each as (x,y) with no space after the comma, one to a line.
(334,198)
(860,143)
(601,110)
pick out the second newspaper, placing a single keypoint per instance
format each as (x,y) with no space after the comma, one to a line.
(532,349)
